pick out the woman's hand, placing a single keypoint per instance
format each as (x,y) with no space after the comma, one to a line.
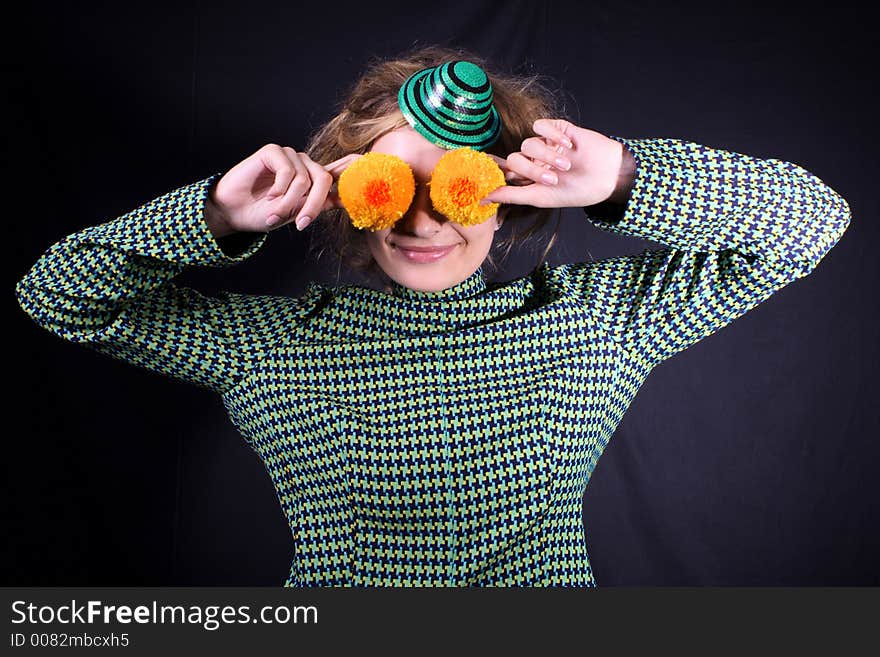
(599,168)
(272,187)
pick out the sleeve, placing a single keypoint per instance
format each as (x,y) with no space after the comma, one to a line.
(110,288)
(737,228)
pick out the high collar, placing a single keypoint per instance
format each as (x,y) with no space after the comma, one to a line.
(471,286)
(365,313)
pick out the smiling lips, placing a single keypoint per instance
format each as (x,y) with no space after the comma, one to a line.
(424,253)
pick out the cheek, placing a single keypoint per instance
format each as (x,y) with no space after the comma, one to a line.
(480,234)
(376,241)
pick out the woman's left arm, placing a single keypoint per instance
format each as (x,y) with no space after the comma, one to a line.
(737,228)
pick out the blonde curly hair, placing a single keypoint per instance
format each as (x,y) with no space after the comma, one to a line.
(370,110)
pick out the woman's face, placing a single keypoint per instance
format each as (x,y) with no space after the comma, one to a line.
(422,227)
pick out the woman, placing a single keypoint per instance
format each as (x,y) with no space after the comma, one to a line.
(441,430)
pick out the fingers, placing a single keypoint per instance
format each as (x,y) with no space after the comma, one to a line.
(509,194)
(542,155)
(308,191)
(547,153)
(531,164)
(510,175)
(321,182)
(336,167)
(557,130)
(526,167)
(291,182)
(286,170)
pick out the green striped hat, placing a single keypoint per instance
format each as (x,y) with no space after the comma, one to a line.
(451,106)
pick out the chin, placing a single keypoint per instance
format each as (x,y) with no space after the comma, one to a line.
(424,281)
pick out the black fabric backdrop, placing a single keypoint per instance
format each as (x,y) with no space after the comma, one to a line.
(748,459)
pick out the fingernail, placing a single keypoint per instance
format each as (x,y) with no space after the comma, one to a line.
(302,222)
(562,163)
(548,178)
(568,143)
(274,219)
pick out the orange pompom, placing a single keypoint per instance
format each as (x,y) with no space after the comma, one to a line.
(462,177)
(376,190)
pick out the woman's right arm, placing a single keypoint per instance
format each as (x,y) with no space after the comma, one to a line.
(110,286)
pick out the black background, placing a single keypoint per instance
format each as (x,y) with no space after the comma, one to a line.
(748,459)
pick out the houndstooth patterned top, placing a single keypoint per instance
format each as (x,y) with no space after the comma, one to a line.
(444,438)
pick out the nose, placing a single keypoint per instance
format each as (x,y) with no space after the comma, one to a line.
(421,219)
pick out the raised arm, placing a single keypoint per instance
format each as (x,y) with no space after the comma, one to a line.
(110,288)
(737,229)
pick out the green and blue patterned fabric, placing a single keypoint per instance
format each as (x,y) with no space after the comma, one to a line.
(443,438)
